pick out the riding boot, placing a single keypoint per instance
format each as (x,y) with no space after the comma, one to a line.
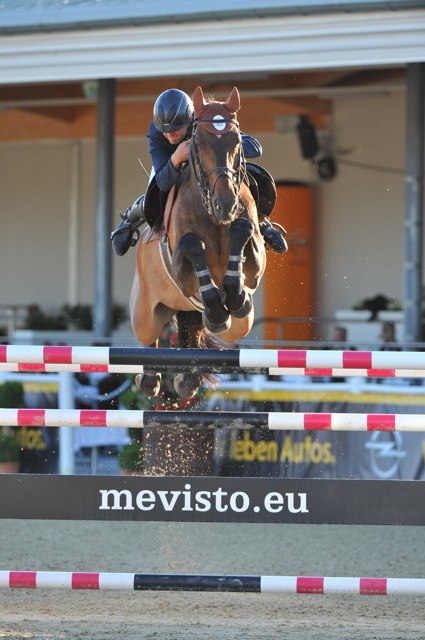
(274,238)
(127,233)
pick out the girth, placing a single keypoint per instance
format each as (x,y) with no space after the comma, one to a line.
(165,254)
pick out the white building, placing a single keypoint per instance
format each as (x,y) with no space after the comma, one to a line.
(344,65)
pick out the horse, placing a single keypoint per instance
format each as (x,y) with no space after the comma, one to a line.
(204,266)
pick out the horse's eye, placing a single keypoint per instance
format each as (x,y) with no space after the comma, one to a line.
(200,140)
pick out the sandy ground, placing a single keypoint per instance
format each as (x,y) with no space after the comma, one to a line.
(213,548)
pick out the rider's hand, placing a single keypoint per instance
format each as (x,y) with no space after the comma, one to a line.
(181,154)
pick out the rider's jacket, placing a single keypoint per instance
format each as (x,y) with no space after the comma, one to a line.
(161,151)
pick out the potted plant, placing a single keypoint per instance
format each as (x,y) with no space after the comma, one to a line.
(130,459)
(10,451)
(11,397)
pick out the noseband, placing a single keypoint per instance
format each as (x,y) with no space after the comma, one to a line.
(235,176)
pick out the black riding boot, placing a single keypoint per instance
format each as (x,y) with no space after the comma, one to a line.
(127,233)
(274,238)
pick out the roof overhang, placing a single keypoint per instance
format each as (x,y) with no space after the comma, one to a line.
(228,46)
(19,16)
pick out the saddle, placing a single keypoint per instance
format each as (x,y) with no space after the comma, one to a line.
(154,205)
(262,187)
(259,180)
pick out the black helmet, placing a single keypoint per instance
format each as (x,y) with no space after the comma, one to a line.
(172,110)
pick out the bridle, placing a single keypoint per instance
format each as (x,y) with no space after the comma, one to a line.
(235,176)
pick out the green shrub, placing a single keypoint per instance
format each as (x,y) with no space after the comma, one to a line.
(130,457)
(11,395)
(78,317)
(10,448)
(37,320)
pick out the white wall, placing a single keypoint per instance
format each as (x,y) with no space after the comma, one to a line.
(34,204)
(358,216)
(362,211)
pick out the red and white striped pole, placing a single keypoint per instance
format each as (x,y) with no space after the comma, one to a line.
(204,359)
(220,583)
(230,419)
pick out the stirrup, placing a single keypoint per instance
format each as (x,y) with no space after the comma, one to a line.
(134,237)
(126,226)
(274,236)
(278,227)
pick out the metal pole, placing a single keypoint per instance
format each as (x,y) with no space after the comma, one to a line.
(74,223)
(66,435)
(413,221)
(104,199)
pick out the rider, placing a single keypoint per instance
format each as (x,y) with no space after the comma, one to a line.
(169,139)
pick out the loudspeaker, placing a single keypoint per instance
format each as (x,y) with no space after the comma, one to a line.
(307,138)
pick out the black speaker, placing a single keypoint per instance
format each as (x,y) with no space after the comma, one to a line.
(307,138)
(326,168)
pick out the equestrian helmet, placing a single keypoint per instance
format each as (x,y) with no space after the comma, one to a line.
(172,110)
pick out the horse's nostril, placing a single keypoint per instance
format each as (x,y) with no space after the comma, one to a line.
(218,207)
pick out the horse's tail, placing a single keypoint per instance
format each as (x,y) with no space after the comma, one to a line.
(192,333)
(209,340)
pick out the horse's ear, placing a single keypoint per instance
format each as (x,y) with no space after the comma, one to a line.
(198,100)
(233,102)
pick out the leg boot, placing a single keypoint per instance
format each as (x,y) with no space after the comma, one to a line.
(127,233)
(274,236)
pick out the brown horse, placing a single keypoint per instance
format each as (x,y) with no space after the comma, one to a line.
(209,260)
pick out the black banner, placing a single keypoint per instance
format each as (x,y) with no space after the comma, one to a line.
(212,499)
(381,455)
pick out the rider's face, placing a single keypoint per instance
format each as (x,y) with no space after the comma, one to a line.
(175,137)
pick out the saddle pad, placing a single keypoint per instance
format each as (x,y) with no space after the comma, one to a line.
(147,234)
(168,207)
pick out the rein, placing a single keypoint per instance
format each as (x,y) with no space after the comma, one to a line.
(236,176)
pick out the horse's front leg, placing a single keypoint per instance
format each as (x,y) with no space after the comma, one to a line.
(237,299)
(215,316)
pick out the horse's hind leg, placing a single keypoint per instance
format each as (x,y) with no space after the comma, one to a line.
(237,299)
(149,382)
(216,317)
(190,327)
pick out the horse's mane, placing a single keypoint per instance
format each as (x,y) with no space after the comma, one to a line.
(210,98)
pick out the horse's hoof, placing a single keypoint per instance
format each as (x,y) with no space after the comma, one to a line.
(148,384)
(187,384)
(244,309)
(219,327)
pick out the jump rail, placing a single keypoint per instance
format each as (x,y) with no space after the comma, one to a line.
(211,359)
(219,583)
(212,419)
(309,508)
(38,367)
(346,373)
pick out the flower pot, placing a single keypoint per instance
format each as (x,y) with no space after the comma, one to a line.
(9,467)
(126,472)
